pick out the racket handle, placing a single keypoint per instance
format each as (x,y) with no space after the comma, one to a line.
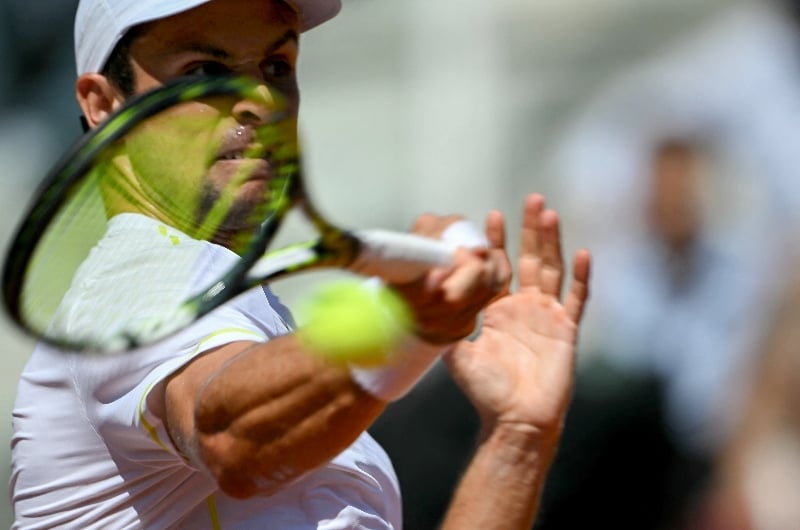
(400,257)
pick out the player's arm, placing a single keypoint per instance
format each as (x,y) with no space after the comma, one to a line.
(518,375)
(259,415)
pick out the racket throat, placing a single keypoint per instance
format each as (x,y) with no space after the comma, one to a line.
(333,249)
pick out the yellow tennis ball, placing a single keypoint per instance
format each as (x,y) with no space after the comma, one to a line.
(352,321)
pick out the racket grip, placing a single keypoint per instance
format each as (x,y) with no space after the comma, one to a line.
(398,257)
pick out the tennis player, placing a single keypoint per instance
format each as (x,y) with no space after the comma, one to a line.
(231,423)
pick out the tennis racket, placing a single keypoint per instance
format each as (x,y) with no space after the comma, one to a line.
(168,210)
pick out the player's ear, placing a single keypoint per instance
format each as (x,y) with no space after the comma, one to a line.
(97,98)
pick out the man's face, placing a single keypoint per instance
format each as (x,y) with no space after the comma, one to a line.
(218,152)
(250,37)
(676,193)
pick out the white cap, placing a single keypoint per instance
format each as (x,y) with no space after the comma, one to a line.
(100,24)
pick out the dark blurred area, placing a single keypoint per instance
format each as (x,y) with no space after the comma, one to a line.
(37,57)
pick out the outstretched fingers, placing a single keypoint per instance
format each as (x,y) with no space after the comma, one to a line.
(578,293)
(495,230)
(551,275)
(496,237)
(530,242)
(540,261)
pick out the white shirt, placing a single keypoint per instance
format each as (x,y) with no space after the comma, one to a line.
(696,338)
(90,448)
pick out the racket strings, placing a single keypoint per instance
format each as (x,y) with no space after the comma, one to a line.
(104,276)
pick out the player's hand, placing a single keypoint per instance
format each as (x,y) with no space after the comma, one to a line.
(446,301)
(519,372)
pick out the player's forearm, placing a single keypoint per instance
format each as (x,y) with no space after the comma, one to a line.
(502,485)
(272,413)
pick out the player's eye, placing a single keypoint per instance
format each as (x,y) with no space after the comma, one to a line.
(278,68)
(208,69)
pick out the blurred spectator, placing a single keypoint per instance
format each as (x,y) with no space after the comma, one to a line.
(737,79)
(671,326)
(675,303)
(682,177)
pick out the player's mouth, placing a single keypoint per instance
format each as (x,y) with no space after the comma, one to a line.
(241,151)
(255,153)
(251,152)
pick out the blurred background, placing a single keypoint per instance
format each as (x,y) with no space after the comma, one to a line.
(667,135)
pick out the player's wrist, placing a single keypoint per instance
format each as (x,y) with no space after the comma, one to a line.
(406,365)
(516,438)
(417,352)
(445,337)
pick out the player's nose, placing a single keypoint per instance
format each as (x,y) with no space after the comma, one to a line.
(261,106)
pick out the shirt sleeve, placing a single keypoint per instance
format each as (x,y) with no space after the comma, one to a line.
(124,395)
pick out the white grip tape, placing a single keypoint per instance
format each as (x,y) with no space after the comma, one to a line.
(399,257)
(464,234)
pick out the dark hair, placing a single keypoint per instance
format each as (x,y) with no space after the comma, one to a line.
(118,68)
